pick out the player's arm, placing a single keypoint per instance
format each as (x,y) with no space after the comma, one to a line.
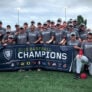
(63,41)
(4,41)
(38,40)
(52,38)
(77,47)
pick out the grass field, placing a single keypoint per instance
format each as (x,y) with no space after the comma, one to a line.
(43,81)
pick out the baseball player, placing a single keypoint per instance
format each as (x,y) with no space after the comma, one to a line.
(8,32)
(70,29)
(10,40)
(21,36)
(46,35)
(82,32)
(2,31)
(60,35)
(33,35)
(76,45)
(85,55)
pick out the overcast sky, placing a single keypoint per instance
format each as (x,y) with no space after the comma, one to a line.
(41,10)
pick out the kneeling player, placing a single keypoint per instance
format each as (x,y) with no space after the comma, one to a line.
(85,56)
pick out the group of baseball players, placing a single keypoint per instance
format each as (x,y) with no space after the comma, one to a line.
(58,33)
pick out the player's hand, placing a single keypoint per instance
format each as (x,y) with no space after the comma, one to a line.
(28,43)
(5,44)
(0,34)
(16,33)
(35,42)
(47,42)
(79,56)
(41,41)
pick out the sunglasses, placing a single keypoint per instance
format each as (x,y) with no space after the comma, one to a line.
(73,35)
(10,38)
(89,37)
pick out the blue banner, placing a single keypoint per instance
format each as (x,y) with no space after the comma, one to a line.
(53,57)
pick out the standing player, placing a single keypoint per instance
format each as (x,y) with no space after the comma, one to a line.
(33,35)
(21,36)
(47,35)
(39,27)
(82,32)
(2,31)
(71,30)
(48,23)
(8,32)
(60,35)
(16,31)
(85,55)
(25,26)
(76,45)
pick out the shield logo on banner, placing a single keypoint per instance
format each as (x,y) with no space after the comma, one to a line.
(8,53)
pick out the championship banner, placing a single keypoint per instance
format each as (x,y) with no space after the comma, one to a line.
(53,57)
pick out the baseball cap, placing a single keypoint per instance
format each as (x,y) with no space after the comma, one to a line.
(59,20)
(11,36)
(0,22)
(52,22)
(90,32)
(57,25)
(70,24)
(82,25)
(25,23)
(16,25)
(39,23)
(32,22)
(73,34)
(21,28)
(48,21)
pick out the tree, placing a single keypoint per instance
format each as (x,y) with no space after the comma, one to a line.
(81,19)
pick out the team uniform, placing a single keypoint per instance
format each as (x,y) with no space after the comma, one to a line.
(78,45)
(82,34)
(59,36)
(74,43)
(21,38)
(2,33)
(71,32)
(46,35)
(33,36)
(86,57)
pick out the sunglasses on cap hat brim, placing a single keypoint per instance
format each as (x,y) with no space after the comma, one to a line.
(73,35)
(70,25)
(10,38)
(90,33)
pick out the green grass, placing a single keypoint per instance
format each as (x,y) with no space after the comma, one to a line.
(43,81)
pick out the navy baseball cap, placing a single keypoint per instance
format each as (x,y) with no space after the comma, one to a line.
(0,22)
(32,22)
(16,25)
(25,23)
(21,28)
(39,23)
